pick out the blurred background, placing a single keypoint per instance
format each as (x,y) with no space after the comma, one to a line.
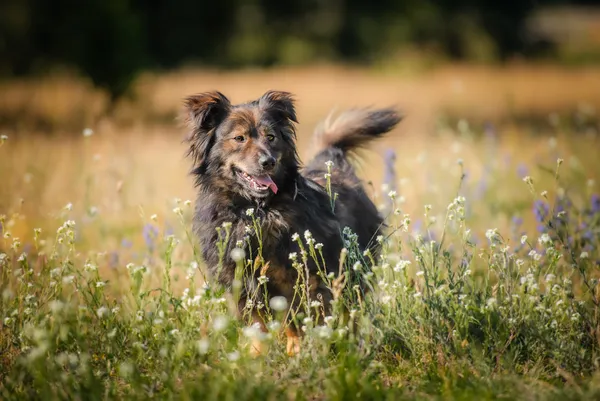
(90,92)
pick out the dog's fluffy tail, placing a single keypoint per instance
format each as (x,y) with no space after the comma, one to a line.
(354,128)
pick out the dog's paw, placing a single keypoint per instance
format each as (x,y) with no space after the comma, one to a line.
(293,345)
(257,348)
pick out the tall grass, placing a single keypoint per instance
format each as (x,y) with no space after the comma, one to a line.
(487,289)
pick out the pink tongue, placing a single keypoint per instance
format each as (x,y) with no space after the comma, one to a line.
(266,180)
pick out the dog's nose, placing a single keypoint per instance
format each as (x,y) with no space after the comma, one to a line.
(266,161)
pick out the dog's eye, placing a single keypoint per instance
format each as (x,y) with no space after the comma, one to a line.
(240,138)
(270,138)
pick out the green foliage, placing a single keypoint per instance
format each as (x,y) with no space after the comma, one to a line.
(446,318)
(111,41)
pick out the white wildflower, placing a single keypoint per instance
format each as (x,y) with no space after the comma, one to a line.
(534,255)
(90,267)
(252,331)
(220,323)
(545,239)
(237,254)
(203,345)
(401,265)
(102,311)
(278,303)
(324,331)
(492,234)
(274,325)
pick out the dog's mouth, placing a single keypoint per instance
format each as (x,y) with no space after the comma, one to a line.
(258,183)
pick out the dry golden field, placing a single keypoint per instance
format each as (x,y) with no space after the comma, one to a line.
(133,165)
(105,303)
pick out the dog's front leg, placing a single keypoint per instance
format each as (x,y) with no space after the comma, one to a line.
(293,341)
(258,347)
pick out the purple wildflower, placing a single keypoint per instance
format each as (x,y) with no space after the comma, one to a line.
(150,233)
(540,210)
(113,259)
(490,131)
(482,187)
(126,243)
(389,174)
(595,204)
(430,236)
(522,170)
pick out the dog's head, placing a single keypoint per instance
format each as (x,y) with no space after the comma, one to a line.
(247,148)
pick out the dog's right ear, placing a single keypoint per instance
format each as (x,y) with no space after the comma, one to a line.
(205,111)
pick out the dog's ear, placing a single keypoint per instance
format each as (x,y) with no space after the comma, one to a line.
(204,113)
(279,104)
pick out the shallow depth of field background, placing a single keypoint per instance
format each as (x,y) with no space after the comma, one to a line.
(89,111)
(504,123)
(507,89)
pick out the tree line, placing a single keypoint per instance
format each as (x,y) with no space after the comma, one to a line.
(112,40)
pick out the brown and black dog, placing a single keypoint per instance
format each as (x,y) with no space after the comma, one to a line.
(244,156)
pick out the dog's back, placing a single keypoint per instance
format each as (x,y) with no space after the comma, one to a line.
(335,141)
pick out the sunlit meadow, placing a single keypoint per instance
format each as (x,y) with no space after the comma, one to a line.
(487,286)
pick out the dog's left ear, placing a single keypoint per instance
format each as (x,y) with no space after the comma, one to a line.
(280,105)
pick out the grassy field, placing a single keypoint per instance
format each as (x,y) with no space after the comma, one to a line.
(487,289)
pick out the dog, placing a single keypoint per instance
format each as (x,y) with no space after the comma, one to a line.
(247,169)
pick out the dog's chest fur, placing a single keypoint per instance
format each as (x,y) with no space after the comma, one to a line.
(278,221)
